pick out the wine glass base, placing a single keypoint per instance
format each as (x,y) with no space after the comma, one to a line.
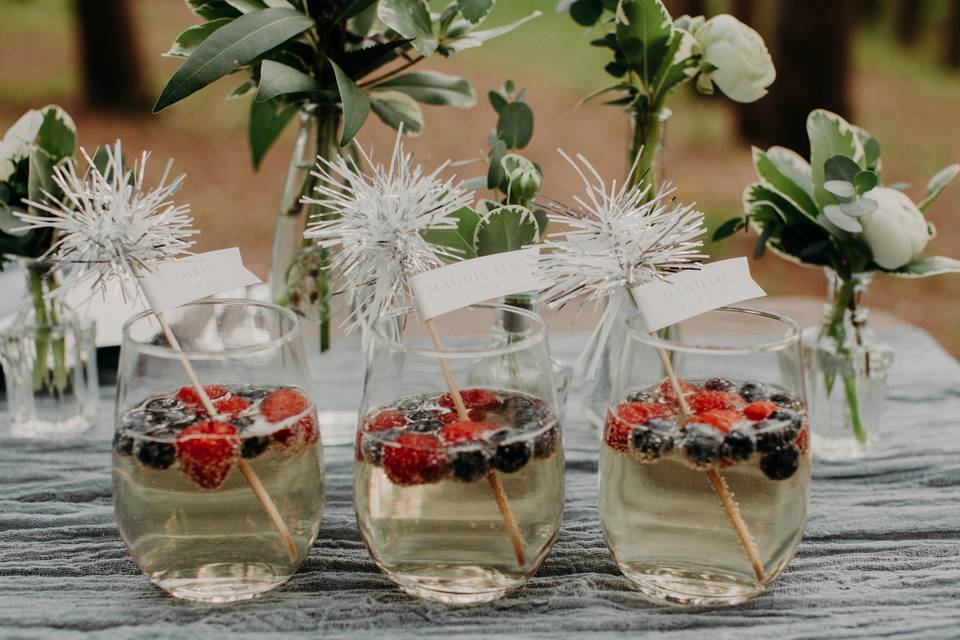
(220,583)
(49,429)
(683,587)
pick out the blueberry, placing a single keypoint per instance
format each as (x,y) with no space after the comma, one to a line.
(753,391)
(156,455)
(639,396)
(430,425)
(163,405)
(139,421)
(653,439)
(253,446)
(785,399)
(470,463)
(793,419)
(736,446)
(545,442)
(514,404)
(719,384)
(511,456)
(122,444)
(701,444)
(781,463)
(778,430)
(251,393)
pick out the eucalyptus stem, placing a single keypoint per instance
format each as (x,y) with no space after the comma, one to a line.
(42,322)
(644,144)
(842,301)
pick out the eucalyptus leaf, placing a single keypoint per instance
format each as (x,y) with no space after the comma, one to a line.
(231,47)
(515,126)
(188,41)
(267,121)
(586,12)
(937,184)
(397,109)
(411,19)
(865,181)
(433,87)
(506,228)
(277,79)
(899,186)
(860,207)
(840,168)
(644,31)
(475,10)
(728,228)
(356,105)
(457,241)
(497,101)
(928,266)
(835,215)
(496,174)
(830,136)
(840,189)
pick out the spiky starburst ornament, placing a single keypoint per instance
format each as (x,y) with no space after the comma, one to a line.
(109,224)
(618,237)
(376,231)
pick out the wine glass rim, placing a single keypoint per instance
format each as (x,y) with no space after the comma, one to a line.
(166,351)
(537,336)
(635,325)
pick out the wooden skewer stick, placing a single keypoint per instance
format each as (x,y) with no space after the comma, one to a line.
(251,476)
(717,481)
(495,486)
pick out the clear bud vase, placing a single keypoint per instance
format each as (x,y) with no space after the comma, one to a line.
(846,367)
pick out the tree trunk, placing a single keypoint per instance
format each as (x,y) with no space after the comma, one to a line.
(679,8)
(951,36)
(756,120)
(907,20)
(870,11)
(110,54)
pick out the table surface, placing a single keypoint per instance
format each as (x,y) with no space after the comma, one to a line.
(881,554)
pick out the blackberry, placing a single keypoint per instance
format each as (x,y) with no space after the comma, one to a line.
(652,439)
(639,396)
(242,422)
(251,394)
(719,384)
(156,455)
(253,446)
(736,446)
(701,444)
(163,405)
(122,444)
(776,432)
(792,418)
(140,421)
(511,456)
(781,463)
(784,399)
(429,425)
(753,391)
(180,419)
(410,404)
(545,442)
(470,463)
(515,404)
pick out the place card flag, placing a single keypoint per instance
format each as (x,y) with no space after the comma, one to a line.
(174,283)
(689,293)
(468,282)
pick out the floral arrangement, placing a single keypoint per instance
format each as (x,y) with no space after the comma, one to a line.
(653,54)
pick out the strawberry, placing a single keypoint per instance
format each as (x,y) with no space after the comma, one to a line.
(666,389)
(472,399)
(297,436)
(283,404)
(189,395)
(706,400)
(616,433)
(231,405)
(803,439)
(759,410)
(466,431)
(386,420)
(207,450)
(414,458)
(628,414)
(720,419)
(474,415)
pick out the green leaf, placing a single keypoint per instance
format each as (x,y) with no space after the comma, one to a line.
(830,135)
(471,39)
(515,126)
(871,153)
(433,87)
(497,101)
(840,189)
(267,121)
(644,30)
(859,207)
(363,22)
(728,228)
(411,19)
(771,169)
(212,9)
(58,134)
(277,79)
(40,180)
(9,222)
(793,167)
(395,109)
(188,41)
(586,12)
(356,105)
(475,10)
(929,266)
(760,193)
(543,219)
(351,9)
(937,184)
(672,72)
(865,181)
(458,241)
(246,6)
(504,229)
(241,91)
(231,47)
(840,168)
(761,247)
(359,62)
(616,86)
(496,174)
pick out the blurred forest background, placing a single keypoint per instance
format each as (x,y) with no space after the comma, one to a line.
(891,66)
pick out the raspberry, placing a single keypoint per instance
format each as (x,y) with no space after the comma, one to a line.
(472,399)
(721,419)
(759,410)
(297,436)
(232,406)
(617,432)
(189,395)
(207,450)
(386,420)
(414,458)
(474,415)
(282,404)
(666,389)
(706,400)
(803,439)
(470,431)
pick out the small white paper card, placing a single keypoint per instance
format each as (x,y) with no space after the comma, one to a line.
(468,282)
(177,282)
(690,293)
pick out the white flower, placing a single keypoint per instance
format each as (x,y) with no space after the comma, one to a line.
(896,232)
(735,58)
(109,225)
(17,140)
(378,226)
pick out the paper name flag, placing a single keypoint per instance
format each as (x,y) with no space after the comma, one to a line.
(690,293)
(177,282)
(464,283)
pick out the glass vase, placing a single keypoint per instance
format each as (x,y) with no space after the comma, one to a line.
(49,360)
(846,368)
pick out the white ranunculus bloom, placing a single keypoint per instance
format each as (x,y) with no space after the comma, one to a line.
(16,141)
(896,232)
(743,67)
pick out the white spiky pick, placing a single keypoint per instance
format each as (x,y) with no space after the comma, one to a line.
(616,238)
(110,224)
(377,226)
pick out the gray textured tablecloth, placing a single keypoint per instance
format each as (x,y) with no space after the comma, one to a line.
(881,556)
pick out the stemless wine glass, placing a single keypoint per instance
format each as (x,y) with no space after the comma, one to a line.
(458,506)
(219,509)
(704,502)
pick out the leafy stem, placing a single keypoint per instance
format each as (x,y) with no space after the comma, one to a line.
(389,74)
(843,301)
